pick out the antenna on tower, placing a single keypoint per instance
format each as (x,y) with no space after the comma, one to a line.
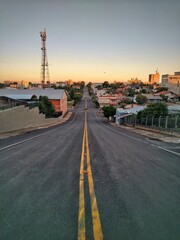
(157,70)
(44,60)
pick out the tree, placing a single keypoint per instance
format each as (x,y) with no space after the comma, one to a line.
(154,109)
(34,98)
(2,85)
(96,103)
(45,106)
(161,89)
(82,84)
(105,84)
(109,111)
(77,97)
(164,98)
(143,91)
(141,99)
(71,93)
(131,92)
(99,87)
(89,85)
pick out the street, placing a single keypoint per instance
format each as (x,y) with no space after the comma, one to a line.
(129,188)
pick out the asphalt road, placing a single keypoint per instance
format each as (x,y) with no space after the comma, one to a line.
(136,183)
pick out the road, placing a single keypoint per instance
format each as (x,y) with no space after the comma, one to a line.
(86,179)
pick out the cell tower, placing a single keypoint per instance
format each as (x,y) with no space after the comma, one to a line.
(44,60)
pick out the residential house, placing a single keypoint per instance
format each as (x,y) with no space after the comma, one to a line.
(152,98)
(123,113)
(107,100)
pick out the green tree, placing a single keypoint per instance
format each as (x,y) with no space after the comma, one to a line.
(96,103)
(154,109)
(143,91)
(99,87)
(45,106)
(109,111)
(89,85)
(2,85)
(105,84)
(131,92)
(34,98)
(82,84)
(77,98)
(164,98)
(141,99)
(71,93)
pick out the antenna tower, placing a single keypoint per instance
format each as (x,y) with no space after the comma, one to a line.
(44,60)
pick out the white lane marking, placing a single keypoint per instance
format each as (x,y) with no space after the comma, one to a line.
(119,131)
(165,149)
(17,143)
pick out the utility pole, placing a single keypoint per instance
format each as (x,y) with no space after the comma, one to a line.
(44,61)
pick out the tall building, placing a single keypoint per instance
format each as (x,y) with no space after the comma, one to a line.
(172,82)
(154,78)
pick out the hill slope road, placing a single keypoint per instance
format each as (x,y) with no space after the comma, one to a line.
(86,179)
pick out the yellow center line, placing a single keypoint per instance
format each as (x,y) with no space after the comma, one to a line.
(81,217)
(97,229)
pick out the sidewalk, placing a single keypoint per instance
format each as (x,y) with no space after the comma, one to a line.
(30,129)
(151,134)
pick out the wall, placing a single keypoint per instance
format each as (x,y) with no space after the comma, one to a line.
(56,104)
(19,118)
(64,104)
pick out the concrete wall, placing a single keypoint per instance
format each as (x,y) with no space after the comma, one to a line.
(19,118)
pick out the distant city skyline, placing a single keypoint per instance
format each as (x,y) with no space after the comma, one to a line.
(89,40)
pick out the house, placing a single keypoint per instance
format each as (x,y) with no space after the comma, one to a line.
(57,97)
(152,98)
(60,84)
(99,93)
(123,113)
(107,100)
(171,97)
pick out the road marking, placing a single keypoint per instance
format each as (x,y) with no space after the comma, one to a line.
(165,149)
(97,229)
(17,143)
(81,217)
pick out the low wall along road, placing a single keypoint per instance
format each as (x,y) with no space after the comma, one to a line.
(21,118)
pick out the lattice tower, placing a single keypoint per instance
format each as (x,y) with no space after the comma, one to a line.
(44,60)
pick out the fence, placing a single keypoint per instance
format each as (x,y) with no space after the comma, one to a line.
(171,124)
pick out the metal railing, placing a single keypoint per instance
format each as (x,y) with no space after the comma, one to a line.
(168,123)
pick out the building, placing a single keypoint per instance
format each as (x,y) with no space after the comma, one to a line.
(57,97)
(154,78)
(172,82)
(107,100)
(152,98)
(123,113)
(60,84)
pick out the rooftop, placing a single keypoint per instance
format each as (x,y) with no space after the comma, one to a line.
(26,94)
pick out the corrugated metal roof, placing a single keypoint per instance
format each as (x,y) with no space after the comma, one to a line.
(130,110)
(26,94)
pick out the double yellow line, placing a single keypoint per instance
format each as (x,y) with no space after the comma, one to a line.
(85,155)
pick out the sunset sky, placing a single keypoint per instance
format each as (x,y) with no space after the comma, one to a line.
(90,40)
